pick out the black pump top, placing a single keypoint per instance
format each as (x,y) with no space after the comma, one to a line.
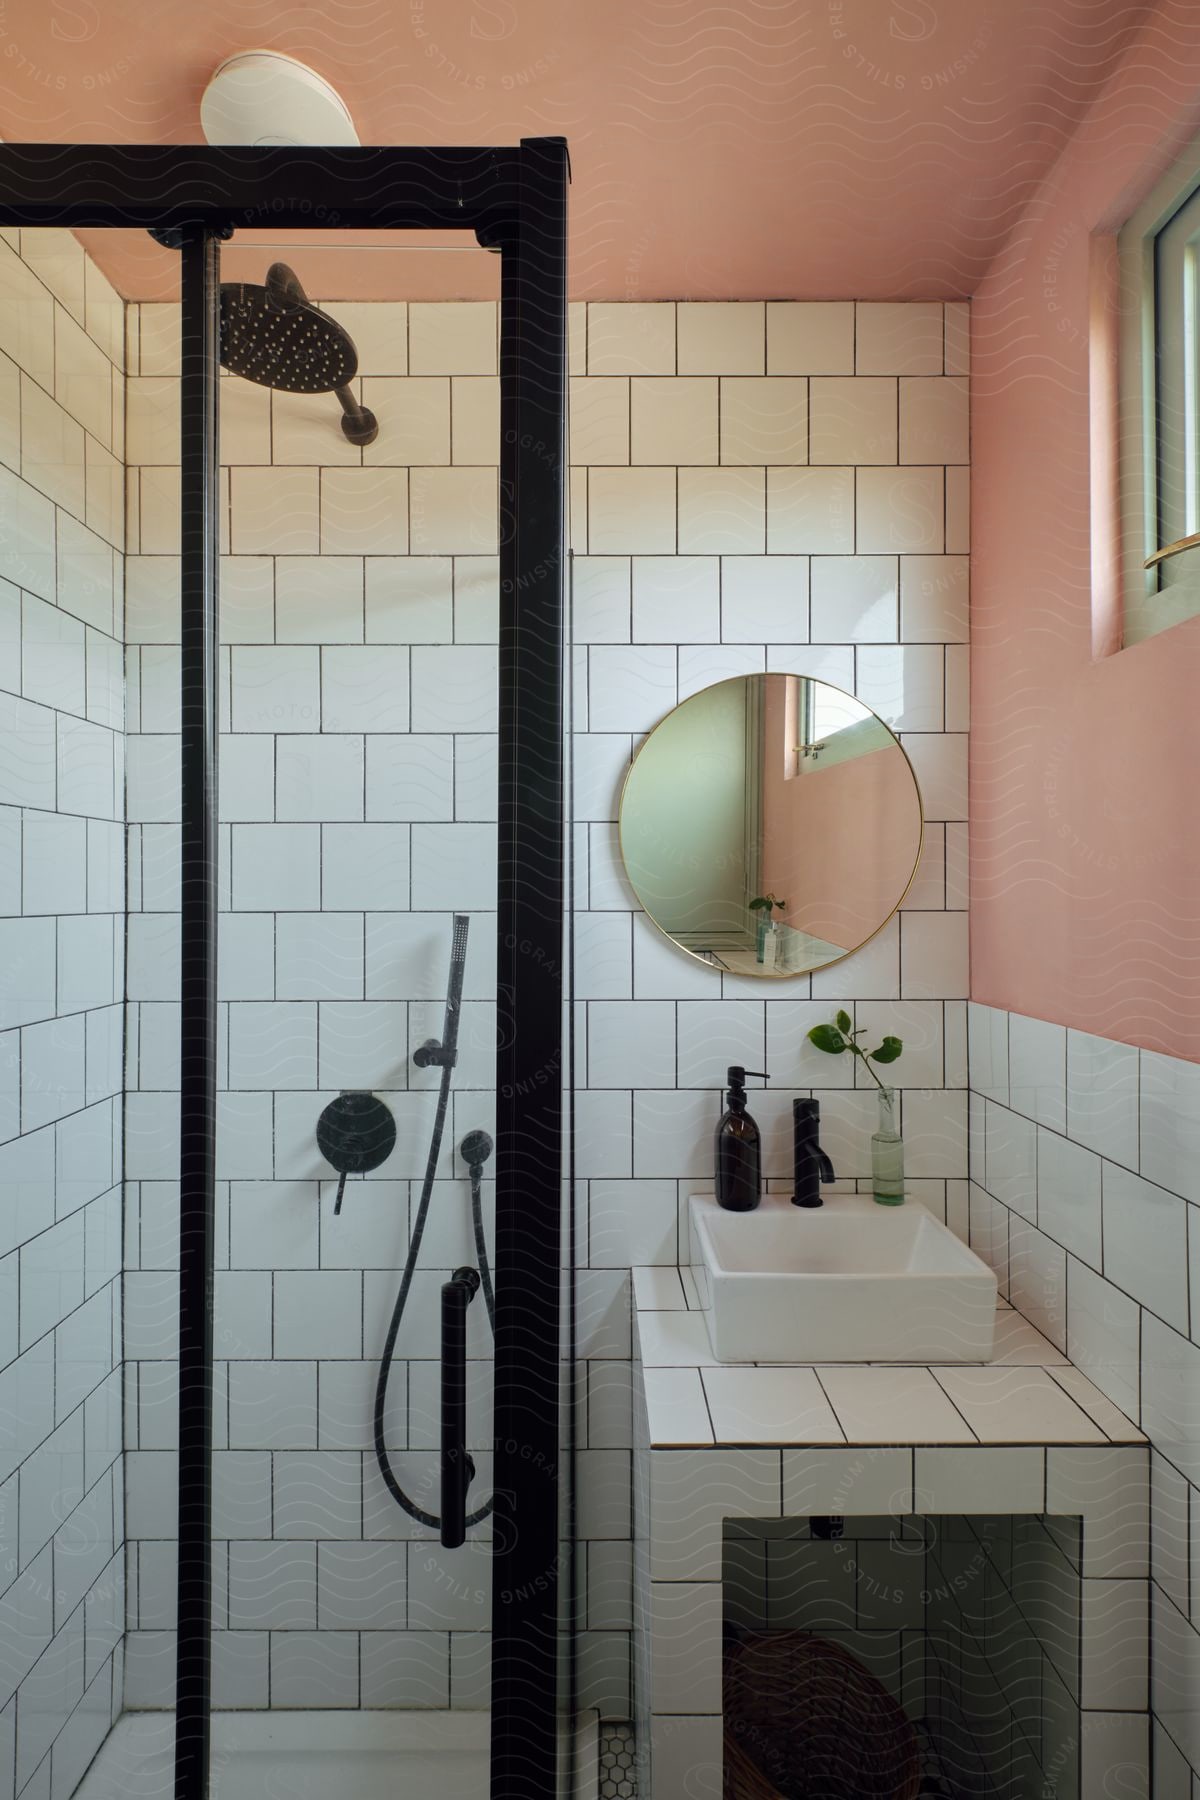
(736,1078)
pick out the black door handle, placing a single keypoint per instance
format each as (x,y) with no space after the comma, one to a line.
(457,1467)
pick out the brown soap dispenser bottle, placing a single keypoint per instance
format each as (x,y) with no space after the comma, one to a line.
(738,1148)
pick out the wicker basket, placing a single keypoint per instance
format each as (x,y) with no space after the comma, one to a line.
(804,1720)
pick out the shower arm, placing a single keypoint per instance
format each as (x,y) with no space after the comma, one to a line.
(358,423)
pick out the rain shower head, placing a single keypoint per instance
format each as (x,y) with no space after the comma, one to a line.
(271,335)
(274,336)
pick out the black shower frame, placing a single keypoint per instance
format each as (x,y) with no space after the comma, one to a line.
(515,200)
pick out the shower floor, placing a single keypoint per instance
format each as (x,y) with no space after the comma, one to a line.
(303,1756)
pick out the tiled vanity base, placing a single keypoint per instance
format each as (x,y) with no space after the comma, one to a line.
(688,1482)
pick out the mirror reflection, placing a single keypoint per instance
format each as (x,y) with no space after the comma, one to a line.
(770,824)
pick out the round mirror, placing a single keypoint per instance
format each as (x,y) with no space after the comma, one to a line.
(770,825)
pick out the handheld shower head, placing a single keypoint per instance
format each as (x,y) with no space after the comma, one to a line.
(475,1149)
(443,1052)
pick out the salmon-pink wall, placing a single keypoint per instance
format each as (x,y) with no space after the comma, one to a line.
(1085,768)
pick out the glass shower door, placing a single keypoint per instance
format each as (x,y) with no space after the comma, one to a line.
(369,994)
(387,724)
(358,995)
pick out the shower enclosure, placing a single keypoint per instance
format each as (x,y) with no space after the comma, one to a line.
(371,1501)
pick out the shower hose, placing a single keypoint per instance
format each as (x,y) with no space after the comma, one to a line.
(476,1148)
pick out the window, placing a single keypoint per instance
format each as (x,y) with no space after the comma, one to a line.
(832,727)
(1160,404)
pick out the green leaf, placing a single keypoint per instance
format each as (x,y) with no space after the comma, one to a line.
(888,1051)
(827,1038)
(761,905)
(844,1022)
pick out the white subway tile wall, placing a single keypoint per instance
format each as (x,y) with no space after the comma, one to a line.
(779,504)
(1084,1201)
(757,485)
(62,983)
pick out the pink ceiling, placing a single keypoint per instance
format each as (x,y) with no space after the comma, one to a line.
(754,148)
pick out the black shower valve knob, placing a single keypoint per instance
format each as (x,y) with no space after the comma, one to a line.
(355,1134)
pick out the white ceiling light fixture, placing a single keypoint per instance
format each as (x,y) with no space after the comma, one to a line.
(263,97)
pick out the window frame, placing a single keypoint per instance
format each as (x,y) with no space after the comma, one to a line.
(1146,608)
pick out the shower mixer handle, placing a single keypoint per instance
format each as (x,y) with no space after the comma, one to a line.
(355,1134)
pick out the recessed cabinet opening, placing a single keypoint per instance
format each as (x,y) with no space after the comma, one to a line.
(918,1657)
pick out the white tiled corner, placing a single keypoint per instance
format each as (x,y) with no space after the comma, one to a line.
(1169,1134)
(676,1407)
(1010,1151)
(686,1638)
(692,1492)
(1102,1096)
(1068,1179)
(1145,1243)
(1109,1489)
(1102,1335)
(1037,1052)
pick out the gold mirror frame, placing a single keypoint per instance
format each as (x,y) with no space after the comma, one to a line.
(771,974)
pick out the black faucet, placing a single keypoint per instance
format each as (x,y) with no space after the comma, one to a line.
(810,1165)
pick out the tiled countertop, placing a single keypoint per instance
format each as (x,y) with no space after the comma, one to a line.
(1029,1393)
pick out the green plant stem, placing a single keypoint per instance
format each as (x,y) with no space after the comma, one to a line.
(866,1062)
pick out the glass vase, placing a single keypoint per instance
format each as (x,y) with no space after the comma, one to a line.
(887,1153)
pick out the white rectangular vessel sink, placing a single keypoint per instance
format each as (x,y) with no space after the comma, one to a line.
(846,1282)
